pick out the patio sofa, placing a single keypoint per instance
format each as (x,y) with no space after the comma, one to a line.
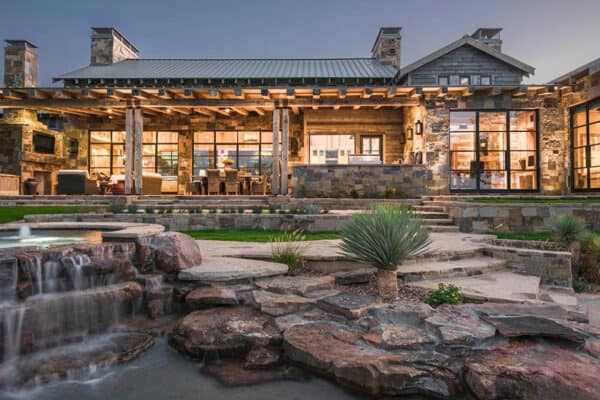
(75,181)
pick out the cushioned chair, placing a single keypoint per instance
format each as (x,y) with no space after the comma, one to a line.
(232,184)
(75,181)
(260,186)
(151,184)
(214,181)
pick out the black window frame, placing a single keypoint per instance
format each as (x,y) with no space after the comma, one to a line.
(587,147)
(507,152)
(371,136)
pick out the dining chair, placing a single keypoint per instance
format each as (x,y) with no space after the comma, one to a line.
(214,181)
(232,185)
(260,186)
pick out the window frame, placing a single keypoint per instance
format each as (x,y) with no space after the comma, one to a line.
(587,147)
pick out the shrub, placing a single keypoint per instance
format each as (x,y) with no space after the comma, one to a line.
(569,229)
(311,209)
(257,210)
(589,262)
(370,194)
(272,210)
(449,294)
(149,210)
(384,237)
(354,193)
(293,210)
(212,211)
(115,208)
(389,193)
(132,208)
(579,285)
(286,248)
(240,210)
(300,190)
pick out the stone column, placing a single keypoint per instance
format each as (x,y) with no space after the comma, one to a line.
(285,128)
(129,141)
(275,174)
(139,153)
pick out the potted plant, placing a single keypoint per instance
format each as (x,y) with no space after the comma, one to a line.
(384,237)
(228,162)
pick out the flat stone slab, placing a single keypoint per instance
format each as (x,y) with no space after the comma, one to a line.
(466,266)
(300,285)
(281,304)
(225,269)
(350,305)
(528,325)
(211,296)
(397,337)
(554,311)
(361,275)
(497,286)
(459,325)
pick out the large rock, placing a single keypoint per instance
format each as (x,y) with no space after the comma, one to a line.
(299,285)
(459,325)
(211,296)
(529,325)
(546,310)
(281,304)
(224,331)
(349,305)
(530,370)
(397,337)
(175,251)
(336,351)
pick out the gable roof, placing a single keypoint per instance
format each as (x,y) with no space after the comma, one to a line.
(586,69)
(466,40)
(236,69)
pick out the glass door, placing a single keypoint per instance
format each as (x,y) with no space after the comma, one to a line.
(330,149)
(371,145)
(585,146)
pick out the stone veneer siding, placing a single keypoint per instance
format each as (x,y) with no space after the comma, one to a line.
(524,217)
(318,180)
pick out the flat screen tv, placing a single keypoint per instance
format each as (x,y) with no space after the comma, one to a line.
(43,143)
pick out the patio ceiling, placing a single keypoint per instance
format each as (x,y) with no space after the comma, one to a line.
(233,101)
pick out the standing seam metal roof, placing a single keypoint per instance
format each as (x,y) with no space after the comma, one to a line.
(236,69)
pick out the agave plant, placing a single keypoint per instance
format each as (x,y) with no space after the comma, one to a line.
(568,229)
(384,237)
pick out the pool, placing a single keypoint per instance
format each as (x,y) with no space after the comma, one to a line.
(47,237)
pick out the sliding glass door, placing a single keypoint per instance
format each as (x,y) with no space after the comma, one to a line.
(493,151)
(585,146)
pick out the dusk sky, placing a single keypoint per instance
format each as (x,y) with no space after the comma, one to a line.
(553,36)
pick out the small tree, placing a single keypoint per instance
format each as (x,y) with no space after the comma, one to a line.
(384,237)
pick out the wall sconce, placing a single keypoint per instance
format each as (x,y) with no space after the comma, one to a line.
(418,127)
(409,133)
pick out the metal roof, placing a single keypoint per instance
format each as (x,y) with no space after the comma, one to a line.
(236,69)
(586,69)
(466,40)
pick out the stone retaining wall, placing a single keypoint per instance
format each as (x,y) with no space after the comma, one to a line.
(524,217)
(192,222)
(315,180)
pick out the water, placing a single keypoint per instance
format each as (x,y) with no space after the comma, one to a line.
(162,373)
(47,237)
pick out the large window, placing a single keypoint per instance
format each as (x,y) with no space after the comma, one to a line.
(585,146)
(107,152)
(493,150)
(251,151)
(330,149)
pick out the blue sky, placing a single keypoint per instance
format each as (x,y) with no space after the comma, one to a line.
(551,35)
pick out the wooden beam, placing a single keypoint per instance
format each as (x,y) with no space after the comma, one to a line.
(285,127)
(336,107)
(295,110)
(275,154)
(204,112)
(240,110)
(129,146)
(220,111)
(259,111)
(356,107)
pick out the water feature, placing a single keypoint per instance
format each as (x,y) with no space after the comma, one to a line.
(47,237)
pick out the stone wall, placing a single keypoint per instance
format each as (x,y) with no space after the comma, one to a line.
(518,217)
(20,64)
(314,180)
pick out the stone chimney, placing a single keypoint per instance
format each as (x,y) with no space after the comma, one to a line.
(20,64)
(489,36)
(109,46)
(387,46)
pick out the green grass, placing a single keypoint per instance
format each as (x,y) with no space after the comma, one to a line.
(253,235)
(16,213)
(502,200)
(535,236)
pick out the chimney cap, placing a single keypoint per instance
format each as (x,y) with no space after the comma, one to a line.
(386,30)
(112,31)
(486,33)
(20,43)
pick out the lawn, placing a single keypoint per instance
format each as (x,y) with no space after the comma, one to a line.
(502,200)
(16,213)
(253,235)
(535,236)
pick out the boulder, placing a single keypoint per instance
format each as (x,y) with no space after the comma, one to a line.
(530,370)
(349,305)
(226,269)
(280,304)
(223,332)
(397,337)
(530,325)
(334,350)
(459,325)
(211,296)
(262,358)
(234,373)
(175,251)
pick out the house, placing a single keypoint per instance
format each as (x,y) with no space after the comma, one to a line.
(459,120)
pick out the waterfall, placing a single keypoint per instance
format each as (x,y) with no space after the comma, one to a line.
(33,269)
(51,270)
(24,231)
(75,267)
(13,324)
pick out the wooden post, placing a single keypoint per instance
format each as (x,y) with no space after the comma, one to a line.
(285,127)
(129,139)
(139,151)
(275,174)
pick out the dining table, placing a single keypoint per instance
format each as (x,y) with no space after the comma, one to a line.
(244,179)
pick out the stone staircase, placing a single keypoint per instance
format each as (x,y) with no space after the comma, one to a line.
(229,203)
(434,215)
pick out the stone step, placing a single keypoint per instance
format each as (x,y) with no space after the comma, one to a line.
(432,214)
(442,228)
(429,208)
(433,269)
(501,286)
(227,269)
(438,221)
(434,203)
